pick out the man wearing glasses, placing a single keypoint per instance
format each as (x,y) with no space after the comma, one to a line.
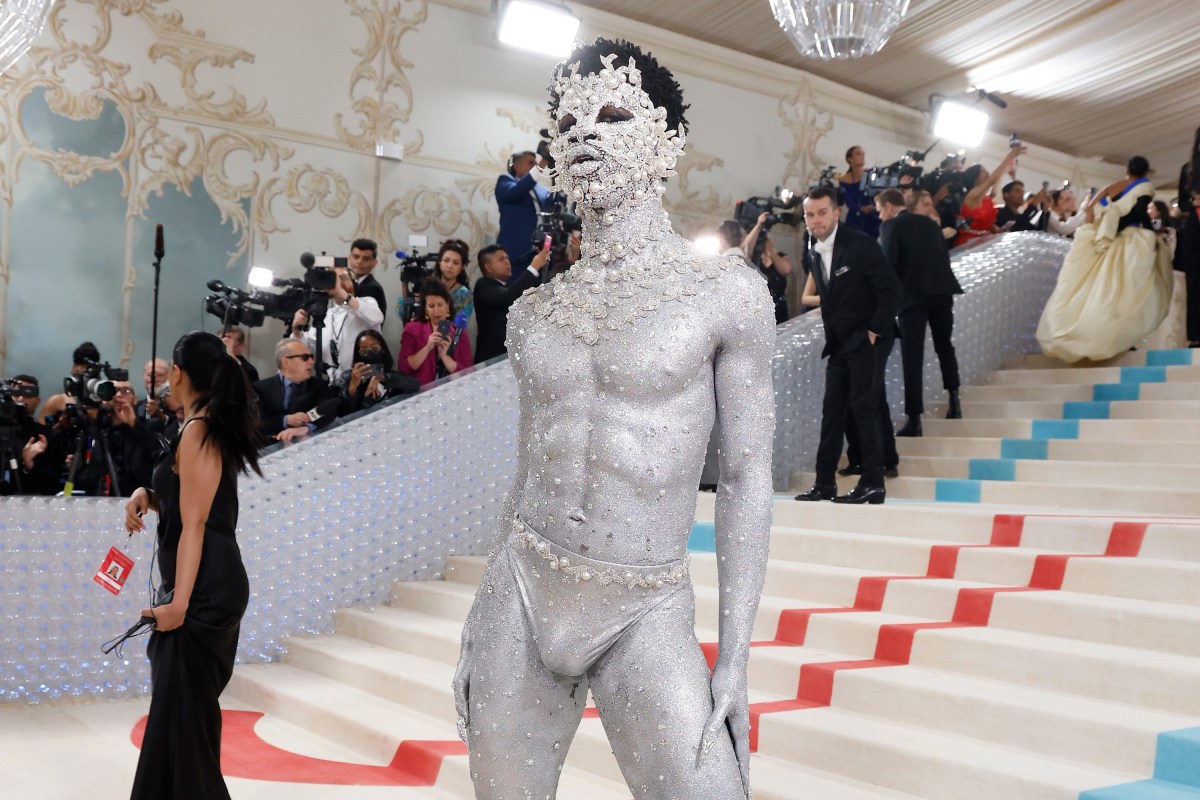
(293,403)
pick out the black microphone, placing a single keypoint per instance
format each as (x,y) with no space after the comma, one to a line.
(307,260)
(159,251)
(218,286)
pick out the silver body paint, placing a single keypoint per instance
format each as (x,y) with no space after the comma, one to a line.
(623,363)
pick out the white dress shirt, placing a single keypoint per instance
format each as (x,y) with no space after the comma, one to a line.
(343,325)
(825,250)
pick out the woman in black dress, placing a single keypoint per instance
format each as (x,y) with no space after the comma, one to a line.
(196,631)
(1187,249)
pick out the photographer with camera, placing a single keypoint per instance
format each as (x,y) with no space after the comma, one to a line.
(31,454)
(81,357)
(773,265)
(154,378)
(364,256)
(860,209)
(347,317)
(433,348)
(978,212)
(520,197)
(371,378)
(293,403)
(1019,214)
(235,345)
(495,292)
(1064,216)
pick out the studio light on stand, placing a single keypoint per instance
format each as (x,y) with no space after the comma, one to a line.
(829,29)
(539,26)
(961,121)
(260,277)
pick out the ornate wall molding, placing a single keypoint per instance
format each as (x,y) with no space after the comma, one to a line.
(808,122)
(379,85)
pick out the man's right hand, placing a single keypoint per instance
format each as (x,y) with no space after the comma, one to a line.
(291,435)
(297,419)
(299,320)
(154,407)
(541,259)
(32,449)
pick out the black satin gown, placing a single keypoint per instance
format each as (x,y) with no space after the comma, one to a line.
(191,665)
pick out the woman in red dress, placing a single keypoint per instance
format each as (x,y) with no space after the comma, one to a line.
(978,210)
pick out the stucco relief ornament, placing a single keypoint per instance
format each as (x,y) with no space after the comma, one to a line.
(639,154)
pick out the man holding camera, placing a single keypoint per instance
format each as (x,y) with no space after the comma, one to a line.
(40,449)
(347,317)
(234,338)
(773,264)
(293,403)
(850,280)
(495,292)
(520,197)
(1017,215)
(364,255)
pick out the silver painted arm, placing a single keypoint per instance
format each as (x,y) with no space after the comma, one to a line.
(508,509)
(746,414)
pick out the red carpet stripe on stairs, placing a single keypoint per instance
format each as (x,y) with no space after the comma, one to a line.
(893,644)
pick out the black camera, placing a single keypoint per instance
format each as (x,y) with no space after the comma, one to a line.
(237,307)
(89,389)
(557,224)
(11,407)
(876,179)
(779,208)
(416,268)
(543,147)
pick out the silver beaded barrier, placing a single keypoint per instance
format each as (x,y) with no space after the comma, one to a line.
(336,520)
(1006,281)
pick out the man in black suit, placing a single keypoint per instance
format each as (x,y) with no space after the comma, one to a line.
(293,404)
(858,293)
(363,258)
(234,338)
(495,292)
(914,246)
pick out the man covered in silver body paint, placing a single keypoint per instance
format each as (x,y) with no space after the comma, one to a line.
(622,364)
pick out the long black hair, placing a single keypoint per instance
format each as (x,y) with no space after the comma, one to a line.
(224,392)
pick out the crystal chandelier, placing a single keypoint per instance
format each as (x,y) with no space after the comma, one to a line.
(831,29)
(21,22)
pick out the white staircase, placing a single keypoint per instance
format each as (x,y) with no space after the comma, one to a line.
(936,650)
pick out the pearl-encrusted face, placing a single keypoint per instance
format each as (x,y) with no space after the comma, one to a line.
(611,145)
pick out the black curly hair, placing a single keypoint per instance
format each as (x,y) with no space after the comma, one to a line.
(657,80)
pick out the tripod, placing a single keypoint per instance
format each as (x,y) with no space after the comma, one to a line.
(96,430)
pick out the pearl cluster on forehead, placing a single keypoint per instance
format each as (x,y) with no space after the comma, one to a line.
(644,149)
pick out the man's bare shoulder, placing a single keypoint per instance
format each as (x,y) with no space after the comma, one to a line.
(740,294)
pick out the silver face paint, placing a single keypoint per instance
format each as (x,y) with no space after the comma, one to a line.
(623,364)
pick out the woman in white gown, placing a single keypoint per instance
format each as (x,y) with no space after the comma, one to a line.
(1115,284)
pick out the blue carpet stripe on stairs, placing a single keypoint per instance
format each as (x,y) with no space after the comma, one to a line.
(1176,772)
(1169,358)
(957,491)
(1143,374)
(1085,409)
(1117,391)
(1055,429)
(1025,448)
(703,538)
(992,469)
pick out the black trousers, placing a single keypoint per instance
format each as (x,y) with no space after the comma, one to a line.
(851,380)
(887,433)
(937,312)
(1187,261)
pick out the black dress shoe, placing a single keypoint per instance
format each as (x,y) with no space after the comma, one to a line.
(862,494)
(851,469)
(708,487)
(819,491)
(891,472)
(955,410)
(912,427)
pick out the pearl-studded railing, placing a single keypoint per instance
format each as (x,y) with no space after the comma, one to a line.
(1006,282)
(388,496)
